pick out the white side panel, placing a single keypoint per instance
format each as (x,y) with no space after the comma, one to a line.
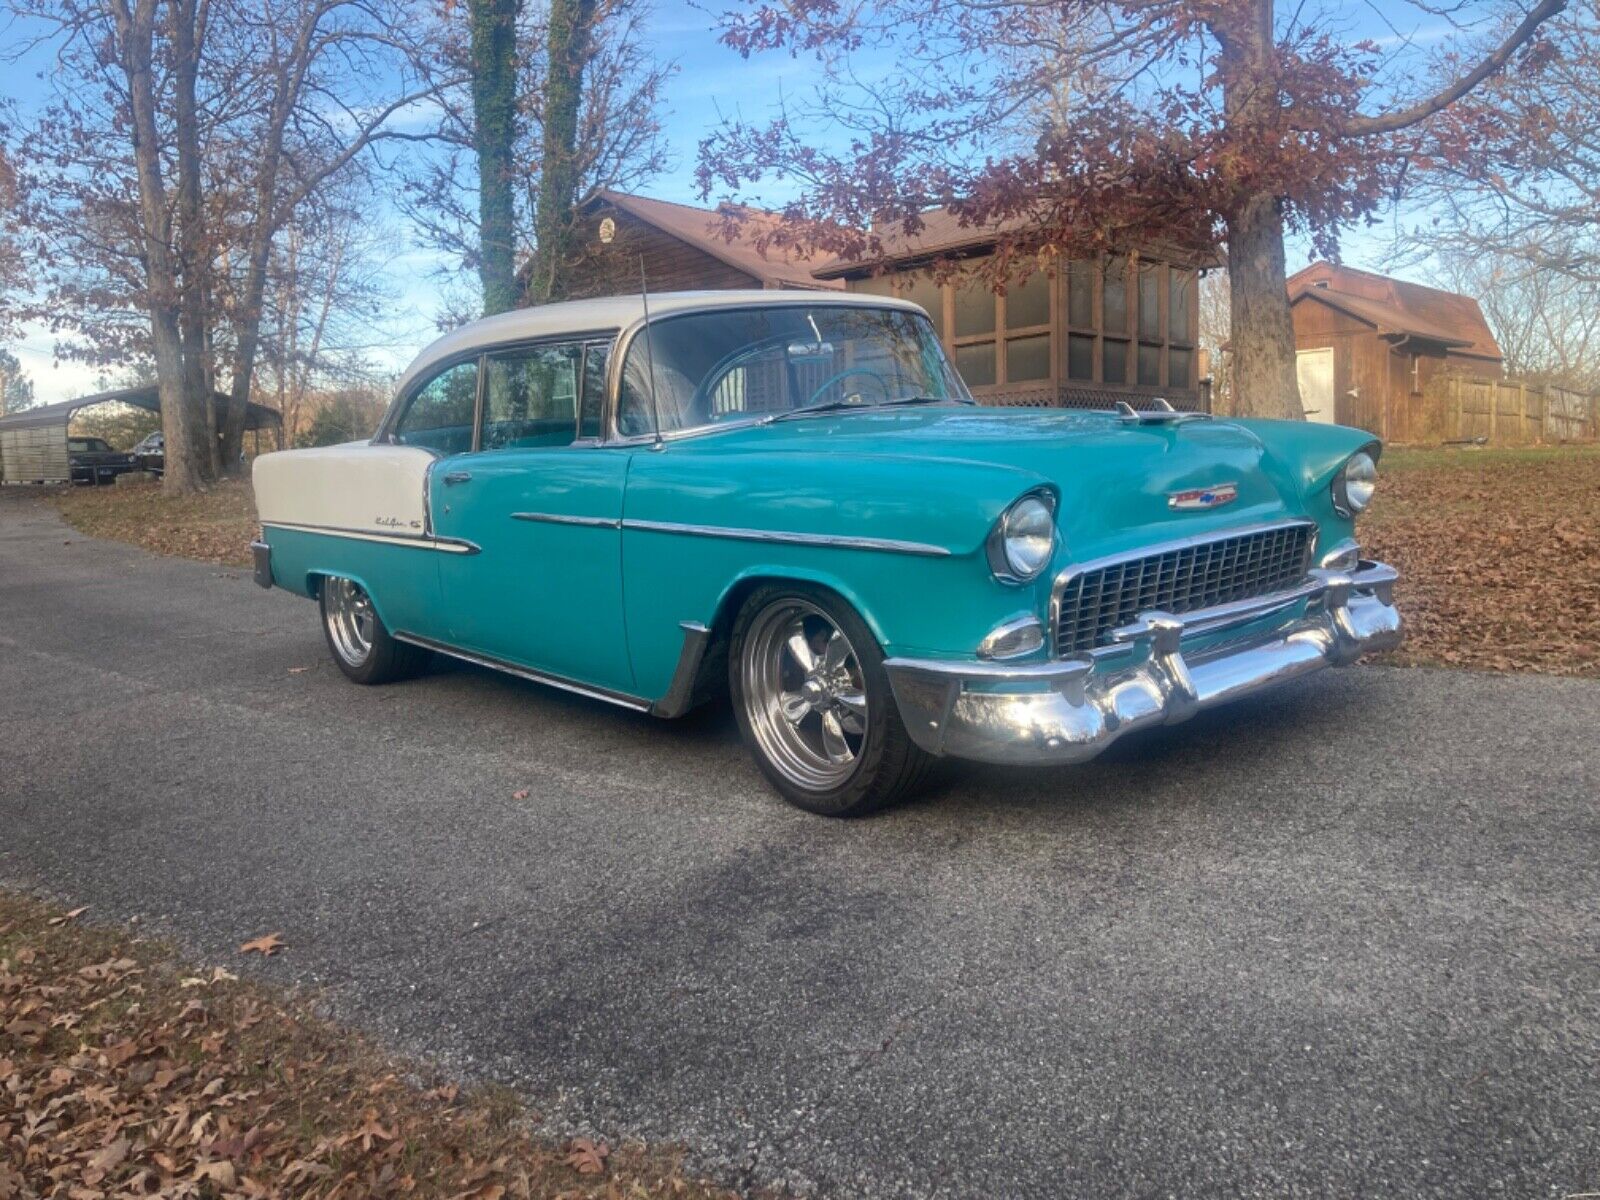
(356,486)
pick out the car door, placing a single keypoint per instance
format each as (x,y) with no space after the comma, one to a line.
(541,499)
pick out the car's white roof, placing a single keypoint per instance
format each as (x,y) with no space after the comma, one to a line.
(610,313)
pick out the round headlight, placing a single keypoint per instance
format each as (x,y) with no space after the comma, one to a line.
(1353,488)
(1027,535)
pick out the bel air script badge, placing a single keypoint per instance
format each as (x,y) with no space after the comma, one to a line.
(1209,497)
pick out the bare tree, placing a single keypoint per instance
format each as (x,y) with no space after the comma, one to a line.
(1530,190)
(593,122)
(1547,323)
(195,131)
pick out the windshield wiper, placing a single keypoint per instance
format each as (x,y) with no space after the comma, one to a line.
(828,406)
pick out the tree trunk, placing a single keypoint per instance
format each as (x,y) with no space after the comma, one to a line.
(1260,328)
(135,31)
(571,35)
(494,107)
(194,295)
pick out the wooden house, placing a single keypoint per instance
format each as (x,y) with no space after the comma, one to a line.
(1367,346)
(1070,334)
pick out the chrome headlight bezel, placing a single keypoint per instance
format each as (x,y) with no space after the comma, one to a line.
(1356,482)
(1019,550)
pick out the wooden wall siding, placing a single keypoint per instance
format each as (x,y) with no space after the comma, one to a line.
(670,265)
(34,455)
(1061,389)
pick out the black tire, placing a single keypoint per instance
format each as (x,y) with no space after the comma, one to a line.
(385,660)
(887,765)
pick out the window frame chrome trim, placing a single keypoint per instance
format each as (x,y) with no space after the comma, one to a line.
(1059,585)
(826,540)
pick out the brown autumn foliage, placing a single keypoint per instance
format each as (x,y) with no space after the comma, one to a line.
(123,1074)
(1499,554)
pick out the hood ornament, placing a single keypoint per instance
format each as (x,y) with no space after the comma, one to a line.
(1214,496)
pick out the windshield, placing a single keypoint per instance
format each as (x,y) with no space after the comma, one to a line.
(734,364)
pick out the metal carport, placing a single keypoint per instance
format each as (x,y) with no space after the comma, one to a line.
(33,443)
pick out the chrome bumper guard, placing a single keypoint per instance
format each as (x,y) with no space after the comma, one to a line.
(1068,710)
(261,554)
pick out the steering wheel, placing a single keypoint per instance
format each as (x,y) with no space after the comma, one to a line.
(845,374)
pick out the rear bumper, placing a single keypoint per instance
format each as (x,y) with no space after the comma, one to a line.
(1069,710)
(261,555)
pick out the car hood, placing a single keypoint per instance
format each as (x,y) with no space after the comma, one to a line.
(1115,477)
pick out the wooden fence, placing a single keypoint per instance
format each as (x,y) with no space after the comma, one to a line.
(1507,412)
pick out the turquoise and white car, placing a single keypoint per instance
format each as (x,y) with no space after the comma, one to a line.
(790,498)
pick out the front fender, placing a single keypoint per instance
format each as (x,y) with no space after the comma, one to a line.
(926,589)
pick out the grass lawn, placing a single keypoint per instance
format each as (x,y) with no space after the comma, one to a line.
(125,1071)
(1499,550)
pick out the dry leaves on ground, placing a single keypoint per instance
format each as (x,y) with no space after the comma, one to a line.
(216,525)
(1499,556)
(123,1075)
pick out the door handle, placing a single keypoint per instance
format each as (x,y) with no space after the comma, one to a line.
(455,477)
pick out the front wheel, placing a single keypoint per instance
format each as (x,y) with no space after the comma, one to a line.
(814,704)
(360,643)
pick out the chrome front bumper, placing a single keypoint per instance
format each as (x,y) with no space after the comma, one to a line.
(1068,710)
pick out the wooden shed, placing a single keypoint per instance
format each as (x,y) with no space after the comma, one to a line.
(1367,346)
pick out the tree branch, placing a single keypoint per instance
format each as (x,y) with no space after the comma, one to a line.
(1360,126)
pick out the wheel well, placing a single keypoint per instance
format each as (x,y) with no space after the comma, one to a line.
(711,682)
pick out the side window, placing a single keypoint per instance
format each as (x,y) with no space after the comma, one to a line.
(592,396)
(439,416)
(530,398)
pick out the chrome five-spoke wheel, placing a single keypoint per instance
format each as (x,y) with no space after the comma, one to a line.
(805,695)
(814,703)
(347,610)
(356,634)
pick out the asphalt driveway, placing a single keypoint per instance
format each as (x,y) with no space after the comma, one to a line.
(1340,941)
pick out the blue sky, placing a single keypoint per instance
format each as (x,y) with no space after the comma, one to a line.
(712,81)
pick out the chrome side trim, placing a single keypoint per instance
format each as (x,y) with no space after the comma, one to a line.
(834,541)
(621,699)
(563,519)
(1069,710)
(1067,575)
(680,694)
(413,541)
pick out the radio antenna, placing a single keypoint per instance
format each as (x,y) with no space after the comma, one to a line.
(649,352)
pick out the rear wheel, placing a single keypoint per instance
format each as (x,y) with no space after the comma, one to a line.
(360,643)
(814,704)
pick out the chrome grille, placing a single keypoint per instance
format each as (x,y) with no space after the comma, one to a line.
(1100,597)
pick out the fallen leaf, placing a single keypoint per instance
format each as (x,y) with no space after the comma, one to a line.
(520,795)
(587,1157)
(71,916)
(267,945)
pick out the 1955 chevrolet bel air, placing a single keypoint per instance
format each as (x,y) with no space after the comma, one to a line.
(792,497)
